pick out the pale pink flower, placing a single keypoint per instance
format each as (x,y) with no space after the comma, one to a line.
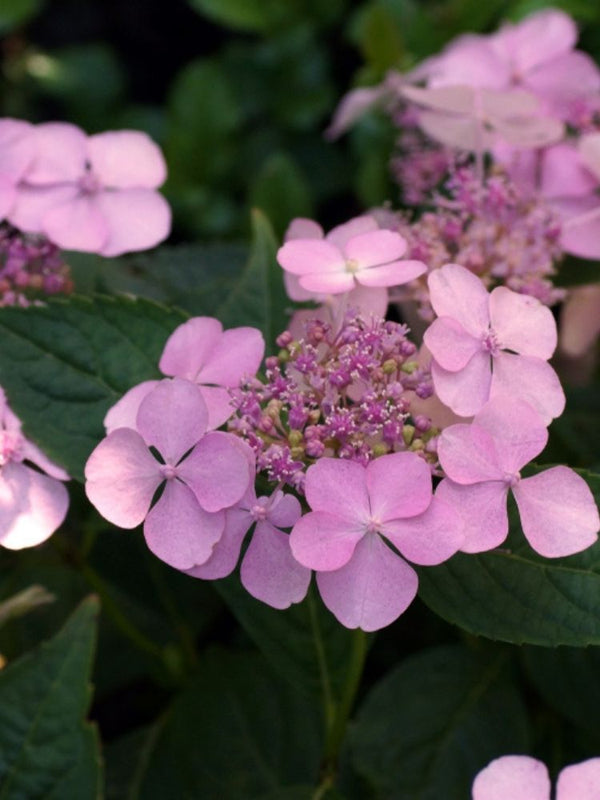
(486,345)
(203,474)
(33,504)
(482,462)
(362,581)
(95,194)
(369,259)
(17,152)
(200,351)
(269,571)
(526,778)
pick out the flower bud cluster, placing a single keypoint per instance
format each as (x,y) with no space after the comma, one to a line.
(345,394)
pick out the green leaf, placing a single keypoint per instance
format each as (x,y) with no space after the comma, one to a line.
(305,643)
(238,731)
(380,37)
(46,750)
(281,192)
(64,364)
(17,12)
(515,595)
(256,16)
(258,297)
(431,724)
(575,271)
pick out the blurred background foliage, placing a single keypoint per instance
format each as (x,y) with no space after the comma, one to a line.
(238,93)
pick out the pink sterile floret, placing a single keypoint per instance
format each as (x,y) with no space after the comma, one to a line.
(17,152)
(482,461)
(96,193)
(202,352)
(488,345)
(362,580)
(526,778)
(32,505)
(203,474)
(269,571)
(368,259)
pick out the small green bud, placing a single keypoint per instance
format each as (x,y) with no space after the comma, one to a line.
(408,431)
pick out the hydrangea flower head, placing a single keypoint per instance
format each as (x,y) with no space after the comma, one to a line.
(96,194)
(526,778)
(203,473)
(482,462)
(33,504)
(355,509)
(485,345)
(370,259)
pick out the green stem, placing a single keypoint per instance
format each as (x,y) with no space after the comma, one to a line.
(328,701)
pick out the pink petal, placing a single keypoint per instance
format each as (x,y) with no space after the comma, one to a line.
(8,196)
(450,344)
(529,379)
(522,323)
(464,133)
(449,99)
(470,60)
(580,234)
(33,202)
(295,291)
(399,486)
(284,511)
(467,390)
(217,471)
(269,572)
(580,320)
(237,354)
(121,478)
(324,541)
(189,346)
(394,274)
(227,550)
(172,418)
(307,256)
(468,454)
(219,404)
(457,293)
(126,159)
(564,173)
(558,512)
(179,531)
(32,453)
(17,148)
(372,590)
(338,487)
(124,412)
(375,247)
(513,778)
(303,228)
(341,234)
(78,224)
(136,219)
(570,77)
(328,282)
(529,131)
(579,781)
(589,151)
(61,153)
(482,508)
(369,300)
(431,537)
(352,106)
(518,433)
(32,506)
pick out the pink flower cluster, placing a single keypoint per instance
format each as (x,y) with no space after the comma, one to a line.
(91,193)
(526,778)
(33,498)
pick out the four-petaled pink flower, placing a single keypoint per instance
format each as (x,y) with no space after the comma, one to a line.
(526,778)
(32,504)
(202,352)
(95,194)
(367,259)
(269,571)
(203,474)
(361,579)
(482,461)
(488,345)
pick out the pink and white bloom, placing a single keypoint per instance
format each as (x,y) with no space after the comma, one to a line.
(203,474)
(526,778)
(96,194)
(33,504)
(200,351)
(355,509)
(371,259)
(269,571)
(482,462)
(17,152)
(489,345)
